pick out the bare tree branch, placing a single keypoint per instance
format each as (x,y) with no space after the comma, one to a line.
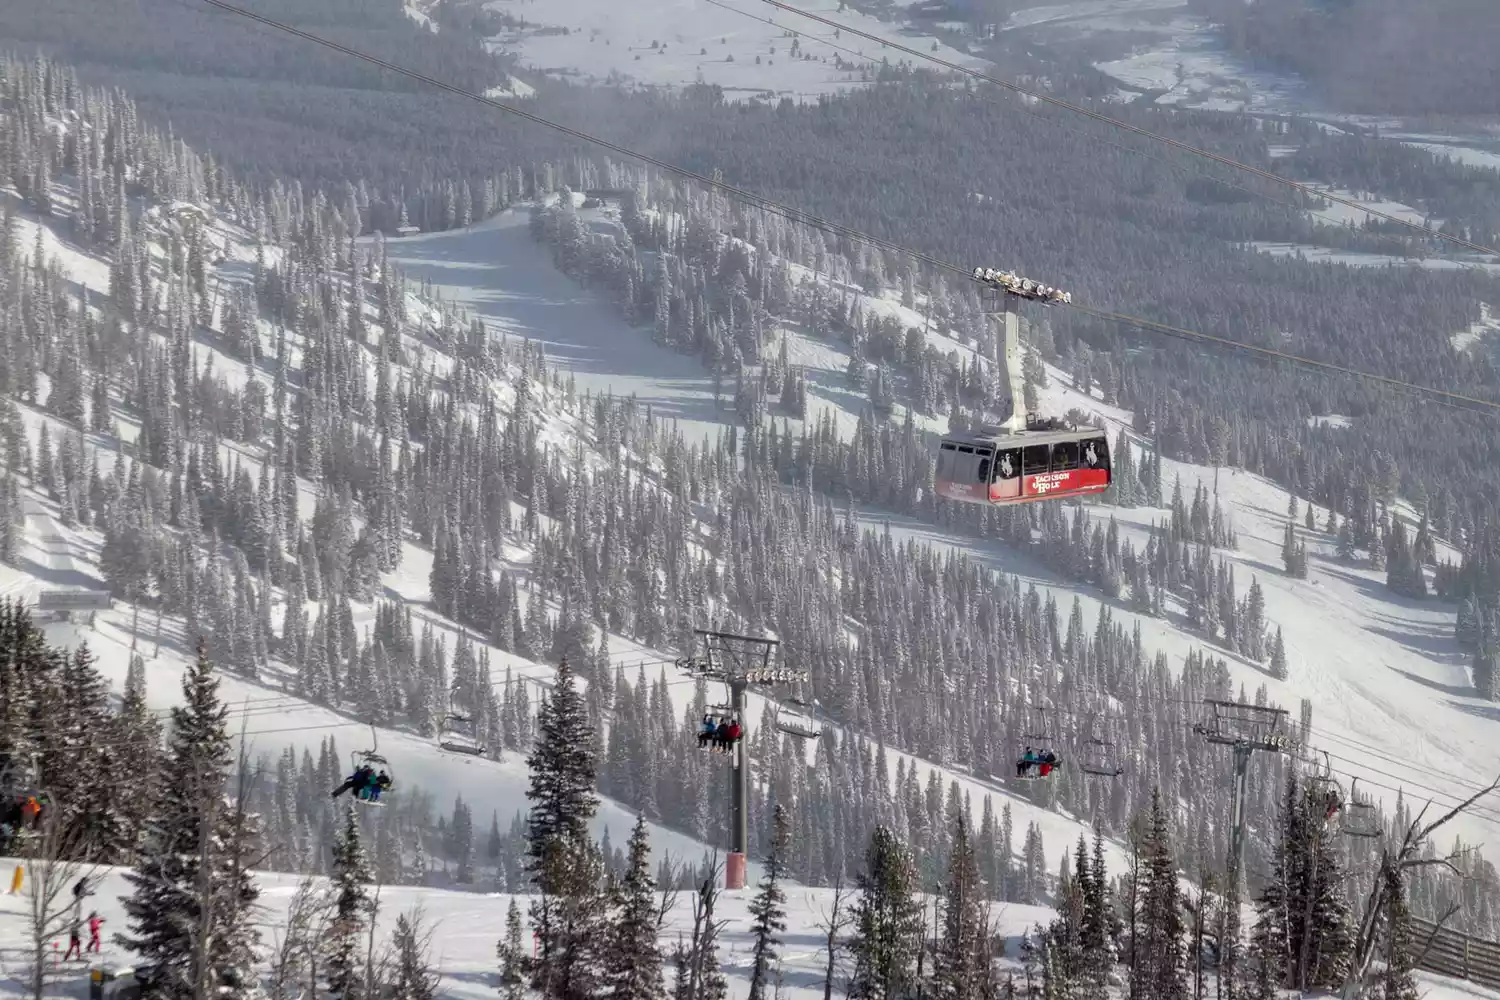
(1455,811)
(669,890)
(53,860)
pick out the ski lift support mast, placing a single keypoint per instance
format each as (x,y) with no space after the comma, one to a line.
(1245,729)
(1002,305)
(738,661)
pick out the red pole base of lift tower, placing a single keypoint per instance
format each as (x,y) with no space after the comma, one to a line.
(734,871)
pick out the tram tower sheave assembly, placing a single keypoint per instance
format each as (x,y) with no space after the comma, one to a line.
(1025,458)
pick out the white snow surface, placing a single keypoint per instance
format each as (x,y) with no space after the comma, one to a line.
(467,926)
(674,43)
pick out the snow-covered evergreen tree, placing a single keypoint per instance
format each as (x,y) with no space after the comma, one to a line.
(768,908)
(512,954)
(343,947)
(568,914)
(189,913)
(632,962)
(887,922)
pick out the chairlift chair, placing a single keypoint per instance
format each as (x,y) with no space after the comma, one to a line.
(1361,821)
(373,759)
(458,735)
(1037,736)
(797,720)
(1100,757)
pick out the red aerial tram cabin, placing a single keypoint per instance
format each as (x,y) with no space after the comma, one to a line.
(1009,468)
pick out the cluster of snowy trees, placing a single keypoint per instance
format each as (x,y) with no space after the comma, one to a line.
(119,788)
(1445,71)
(408,425)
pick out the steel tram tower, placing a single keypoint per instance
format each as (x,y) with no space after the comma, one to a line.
(738,661)
(1004,308)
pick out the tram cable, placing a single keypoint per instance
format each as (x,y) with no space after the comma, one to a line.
(1099,116)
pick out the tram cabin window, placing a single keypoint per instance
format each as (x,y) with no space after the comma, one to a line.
(946,455)
(1008,465)
(983,475)
(963,467)
(1036,459)
(1064,456)
(1095,453)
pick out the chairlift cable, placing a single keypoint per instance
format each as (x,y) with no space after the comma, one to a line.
(801,217)
(1099,116)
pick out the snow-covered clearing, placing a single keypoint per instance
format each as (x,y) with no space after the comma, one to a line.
(1342,214)
(738,45)
(1487,325)
(1358,258)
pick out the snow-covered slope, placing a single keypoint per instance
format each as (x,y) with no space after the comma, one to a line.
(524,297)
(466,927)
(1388,682)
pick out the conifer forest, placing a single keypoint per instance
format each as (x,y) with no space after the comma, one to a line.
(313,485)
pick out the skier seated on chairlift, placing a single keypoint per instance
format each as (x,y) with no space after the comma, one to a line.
(363,776)
(1025,763)
(707,730)
(727,734)
(1043,761)
(373,787)
(1332,802)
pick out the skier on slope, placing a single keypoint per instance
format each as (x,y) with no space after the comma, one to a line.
(75,940)
(95,922)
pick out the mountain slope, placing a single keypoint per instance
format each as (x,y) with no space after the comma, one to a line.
(1388,682)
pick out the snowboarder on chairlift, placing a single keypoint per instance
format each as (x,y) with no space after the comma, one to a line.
(356,782)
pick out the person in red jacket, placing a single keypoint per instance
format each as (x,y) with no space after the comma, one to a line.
(735,732)
(95,922)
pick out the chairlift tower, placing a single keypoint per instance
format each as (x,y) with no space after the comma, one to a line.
(1245,729)
(738,661)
